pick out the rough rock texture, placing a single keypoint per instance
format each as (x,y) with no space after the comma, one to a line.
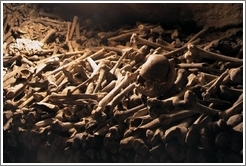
(211,14)
(218,15)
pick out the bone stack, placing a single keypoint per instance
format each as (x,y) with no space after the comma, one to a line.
(74,92)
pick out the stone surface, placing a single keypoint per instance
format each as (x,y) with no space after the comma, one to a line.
(211,14)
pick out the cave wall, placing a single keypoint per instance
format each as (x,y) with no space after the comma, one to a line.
(212,14)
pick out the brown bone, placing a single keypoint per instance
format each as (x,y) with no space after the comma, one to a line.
(194,51)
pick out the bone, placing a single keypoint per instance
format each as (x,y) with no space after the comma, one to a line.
(193,133)
(157,107)
(192,65)
(238,127)
(11,104)
(120,116)
(119,97)
(103,71)
(140,147)
(167,119)
(139,40)
(152,85)
(234,109)
(101,105)
(194,51)
(229,93)
(77,31)
(100,52)
(155,136)
(15,90)
(59,126)
(181,80)
(206,76)
(66,96)
(7,125)
(124,54)
(77,99)
(234,120)
(183,48)
(45,14)
(175,151)
(102,129)
(191,98)
(56,57)
(179,131)
(235,75)
(212,89)
(75,20)
(139,121)
(26,102)
(109,86)
(25,60)
(107,35)
(11,60)
(76,73)
(44,123)
(6,22)
(48,35)
(121,37)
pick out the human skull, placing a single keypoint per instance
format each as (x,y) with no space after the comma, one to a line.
(157,76)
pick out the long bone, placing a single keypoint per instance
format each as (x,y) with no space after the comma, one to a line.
(75,20)
(230,93)
(167,119)
(139,40)
(193,133)
(183,48)
(75,73)
(138,121)
(99,53)
(233,75)
(19,72)
(21,102)
(234,120)
(103,71)
(190,100)
(48,35)
(119,97)
(237,107)
(178,131)
(154,136)
(194,51)
(120,116)
(157,107)
(9,60)
(98,112)
(214,87)
(16,89)
(121,37)
(179,83)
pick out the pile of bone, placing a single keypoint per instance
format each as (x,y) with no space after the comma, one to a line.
(73,92)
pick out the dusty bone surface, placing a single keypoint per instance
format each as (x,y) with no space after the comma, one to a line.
(79,90)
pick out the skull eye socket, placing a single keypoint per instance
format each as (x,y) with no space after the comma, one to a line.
(140,80)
